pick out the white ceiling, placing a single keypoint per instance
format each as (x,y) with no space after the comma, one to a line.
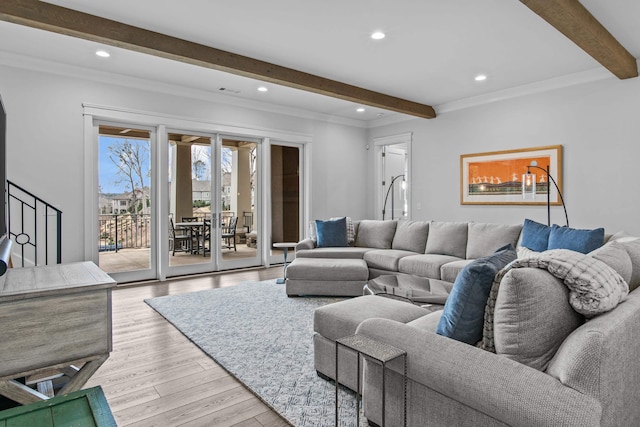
(432,51)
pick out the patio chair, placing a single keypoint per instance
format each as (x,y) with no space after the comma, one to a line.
(189,219)
(206,236)
(248,221)
(179,239)
(229,234)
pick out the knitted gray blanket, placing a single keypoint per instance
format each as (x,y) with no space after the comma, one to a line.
(594,287)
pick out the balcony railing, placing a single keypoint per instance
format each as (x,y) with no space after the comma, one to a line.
(120,231)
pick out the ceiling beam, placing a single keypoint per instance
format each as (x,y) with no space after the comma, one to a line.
(573,20)
(46,16)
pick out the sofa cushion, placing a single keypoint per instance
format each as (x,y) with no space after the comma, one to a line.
(484,239)
(340,319)
(427,265)
(463,315)
(411,236)
(332,233)
(375,234)
(532,316)
(615,256)
(447,238)
(346,252)
(325,269)
(583,241)
(450,270)
(385,259)
(535,236)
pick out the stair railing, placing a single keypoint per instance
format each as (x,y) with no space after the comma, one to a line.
(35,226)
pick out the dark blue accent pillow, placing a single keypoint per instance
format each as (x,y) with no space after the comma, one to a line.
(463,315)
(332,233)
(535,236)
(583,241)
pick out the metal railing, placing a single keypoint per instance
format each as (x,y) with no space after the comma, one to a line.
(35,226)
(119,231)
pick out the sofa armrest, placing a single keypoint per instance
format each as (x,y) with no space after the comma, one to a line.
(494,385)
(305,244)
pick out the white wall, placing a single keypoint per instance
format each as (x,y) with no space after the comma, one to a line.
(45,146)
(597,124)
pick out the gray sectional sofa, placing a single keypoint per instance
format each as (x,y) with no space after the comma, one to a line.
(430,249)
(540,361)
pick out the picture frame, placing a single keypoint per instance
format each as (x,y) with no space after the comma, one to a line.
(495,178)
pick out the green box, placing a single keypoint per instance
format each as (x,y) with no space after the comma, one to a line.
(82,408)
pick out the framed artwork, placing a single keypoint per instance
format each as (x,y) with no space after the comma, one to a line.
(496,178)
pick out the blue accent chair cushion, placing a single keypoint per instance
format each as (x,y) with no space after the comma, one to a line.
(583,241)
(332,233)
(535,236)
(463,315)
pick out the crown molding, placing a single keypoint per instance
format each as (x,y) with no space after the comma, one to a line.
(555,83)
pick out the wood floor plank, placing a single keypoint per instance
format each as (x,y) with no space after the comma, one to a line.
(175,410)
(187,383)
(157,377)
(229,416)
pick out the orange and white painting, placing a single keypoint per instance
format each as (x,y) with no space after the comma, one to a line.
(497,177)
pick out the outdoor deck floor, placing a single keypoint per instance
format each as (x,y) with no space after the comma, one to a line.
(138,259)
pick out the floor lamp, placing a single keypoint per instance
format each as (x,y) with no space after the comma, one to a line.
(393,180)
(529,186)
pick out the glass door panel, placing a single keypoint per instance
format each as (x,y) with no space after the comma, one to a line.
(190,211)
(125,192)
(239,225)
(285,197)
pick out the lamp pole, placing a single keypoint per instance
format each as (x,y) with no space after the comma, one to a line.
(389,190)
(534,164)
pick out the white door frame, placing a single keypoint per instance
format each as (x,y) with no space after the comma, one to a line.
(379,144)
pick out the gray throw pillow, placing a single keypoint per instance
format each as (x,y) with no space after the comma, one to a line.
(532,317)
(615,256)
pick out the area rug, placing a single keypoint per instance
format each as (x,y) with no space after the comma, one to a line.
(264,339)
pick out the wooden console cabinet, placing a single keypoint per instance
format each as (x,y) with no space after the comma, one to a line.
(54,320)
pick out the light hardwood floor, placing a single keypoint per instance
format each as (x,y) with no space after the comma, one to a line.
(156,377)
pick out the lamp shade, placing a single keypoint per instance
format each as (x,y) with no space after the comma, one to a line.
(529,186)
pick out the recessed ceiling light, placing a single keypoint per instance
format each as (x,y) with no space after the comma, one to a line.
(103,54)
(378,35)
(262,89)
(480,77)
(360,110)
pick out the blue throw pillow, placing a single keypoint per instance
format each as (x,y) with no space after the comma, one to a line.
(535,236)
(332,233)
(463,315)
(583,241)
